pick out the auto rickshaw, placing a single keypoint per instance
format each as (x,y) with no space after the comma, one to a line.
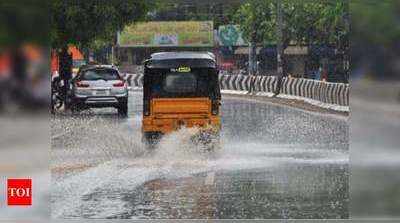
(181,89)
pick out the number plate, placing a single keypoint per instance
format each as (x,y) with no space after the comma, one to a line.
(100,92)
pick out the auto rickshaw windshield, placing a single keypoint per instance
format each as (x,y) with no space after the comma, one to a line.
(164,83)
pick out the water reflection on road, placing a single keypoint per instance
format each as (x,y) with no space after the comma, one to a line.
(275,162)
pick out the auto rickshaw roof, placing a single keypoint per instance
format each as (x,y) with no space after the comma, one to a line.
(182,55)
(174,60)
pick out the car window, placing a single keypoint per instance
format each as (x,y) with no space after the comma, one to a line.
(100,74)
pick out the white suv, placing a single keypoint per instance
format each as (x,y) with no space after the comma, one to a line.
(99,86)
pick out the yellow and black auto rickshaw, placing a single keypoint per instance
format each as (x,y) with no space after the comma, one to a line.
(181,89)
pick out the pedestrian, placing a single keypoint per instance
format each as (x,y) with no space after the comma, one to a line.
(65,65)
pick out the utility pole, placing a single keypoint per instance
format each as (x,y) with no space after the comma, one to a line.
(112,55)
(114,43)
(346,42)
(279,47)
(252,54)
(253,41)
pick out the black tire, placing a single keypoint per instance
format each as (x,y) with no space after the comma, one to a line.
(56,103)
(123,108)
(151,139)
(75,108)
(211,142)
(215,144)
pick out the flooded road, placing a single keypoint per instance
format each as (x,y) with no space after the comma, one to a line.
(275,162)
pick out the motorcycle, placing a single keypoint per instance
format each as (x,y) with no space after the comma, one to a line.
(57,96)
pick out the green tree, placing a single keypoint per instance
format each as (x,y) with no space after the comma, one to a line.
(255,18)
(309,22)
(217,11)
(23,22)
(375,38)
(81,23)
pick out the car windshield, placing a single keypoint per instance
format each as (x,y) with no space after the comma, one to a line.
(100,74)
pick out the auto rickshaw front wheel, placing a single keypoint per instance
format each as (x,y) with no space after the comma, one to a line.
(151,139)
(209,140)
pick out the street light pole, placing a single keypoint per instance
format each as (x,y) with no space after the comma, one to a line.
(279,47)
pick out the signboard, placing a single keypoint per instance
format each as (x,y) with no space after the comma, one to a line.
(166,39)
(230,35)
(159,34)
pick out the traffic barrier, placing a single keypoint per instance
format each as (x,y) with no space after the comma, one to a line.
(134,80)
(326,92)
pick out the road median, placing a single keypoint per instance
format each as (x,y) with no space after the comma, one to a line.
(302,93)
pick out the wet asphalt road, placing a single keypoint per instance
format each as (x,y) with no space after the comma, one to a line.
(275,162)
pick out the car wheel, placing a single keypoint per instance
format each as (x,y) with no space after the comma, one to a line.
(75,108)
(123,108)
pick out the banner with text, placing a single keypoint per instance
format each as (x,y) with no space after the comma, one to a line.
(159,34)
